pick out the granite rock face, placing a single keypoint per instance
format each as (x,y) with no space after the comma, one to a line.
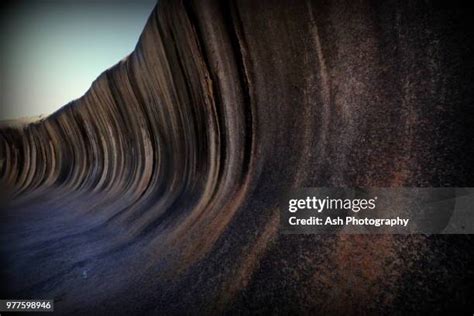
(158,190)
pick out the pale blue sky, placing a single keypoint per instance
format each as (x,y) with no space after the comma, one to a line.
(52,50)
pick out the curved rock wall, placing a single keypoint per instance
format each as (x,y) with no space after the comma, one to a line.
(158,189)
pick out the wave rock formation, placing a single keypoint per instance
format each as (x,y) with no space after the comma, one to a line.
(158,190)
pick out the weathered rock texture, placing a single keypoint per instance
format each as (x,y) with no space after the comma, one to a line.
(157,191)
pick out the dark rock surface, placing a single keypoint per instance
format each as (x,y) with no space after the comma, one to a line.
(157,191)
